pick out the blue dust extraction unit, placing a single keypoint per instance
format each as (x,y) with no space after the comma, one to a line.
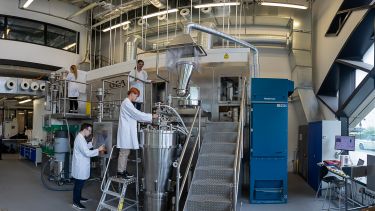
(269,140)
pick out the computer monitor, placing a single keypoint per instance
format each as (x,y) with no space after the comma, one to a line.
(345,143)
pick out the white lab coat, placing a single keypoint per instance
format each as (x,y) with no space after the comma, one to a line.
(138,84)
(127,128)
(81,158)
(73,88)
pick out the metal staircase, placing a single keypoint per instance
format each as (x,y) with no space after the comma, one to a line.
(213,180)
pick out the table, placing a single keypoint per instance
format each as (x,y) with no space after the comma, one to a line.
(16,141)
(30,152)
(346,178)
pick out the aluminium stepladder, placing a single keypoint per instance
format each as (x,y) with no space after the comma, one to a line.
(114,199)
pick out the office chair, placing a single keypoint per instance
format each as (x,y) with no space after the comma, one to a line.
(332,182)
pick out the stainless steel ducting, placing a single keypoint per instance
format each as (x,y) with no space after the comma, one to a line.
(201,28)
(205,39)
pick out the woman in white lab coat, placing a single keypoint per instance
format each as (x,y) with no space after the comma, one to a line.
(81,163)
(73,89)
(127,130)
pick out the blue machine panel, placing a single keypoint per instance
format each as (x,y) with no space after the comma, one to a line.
(269,121)
(314,154)
(269,140)
(269,180)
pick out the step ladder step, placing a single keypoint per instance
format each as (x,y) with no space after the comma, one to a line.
(112,193)
(107,206)
(123,180)
(222,126)
(221,137)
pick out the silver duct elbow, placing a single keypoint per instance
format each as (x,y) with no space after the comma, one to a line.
(201,28)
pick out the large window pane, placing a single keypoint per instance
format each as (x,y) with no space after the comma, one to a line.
(61,38)
(364,133)
(25,30)
(2,27)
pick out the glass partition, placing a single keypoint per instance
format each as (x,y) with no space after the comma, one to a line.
(30,31)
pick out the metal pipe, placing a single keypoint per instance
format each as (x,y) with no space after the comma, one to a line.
(198,27)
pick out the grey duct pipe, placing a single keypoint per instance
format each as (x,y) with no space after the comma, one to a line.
(130,47)
(198,27)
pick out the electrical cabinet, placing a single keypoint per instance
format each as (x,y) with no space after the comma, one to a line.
(321,146)
(269,140)
(33,153)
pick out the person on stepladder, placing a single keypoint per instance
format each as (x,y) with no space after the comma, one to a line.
(127,137)
(73,89)
(138,73)
(81,163)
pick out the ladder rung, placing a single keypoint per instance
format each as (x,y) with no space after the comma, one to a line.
(107,206)
(122,180)
(112,193)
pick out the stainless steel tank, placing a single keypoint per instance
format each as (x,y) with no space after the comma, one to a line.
(159,152)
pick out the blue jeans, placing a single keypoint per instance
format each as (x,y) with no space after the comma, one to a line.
(77,191)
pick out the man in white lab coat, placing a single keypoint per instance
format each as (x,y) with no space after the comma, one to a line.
(138,73)
(81,163)
(127,137)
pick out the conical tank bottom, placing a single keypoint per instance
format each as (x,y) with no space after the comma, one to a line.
(184,71)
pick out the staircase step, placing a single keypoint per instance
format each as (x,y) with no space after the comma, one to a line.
(216,159)
(220,137)
(122,180)
(213,172)
(208,203)
(209,186)
(224,148)
(222,126)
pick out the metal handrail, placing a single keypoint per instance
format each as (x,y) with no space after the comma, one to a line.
(239,147)
(177,164)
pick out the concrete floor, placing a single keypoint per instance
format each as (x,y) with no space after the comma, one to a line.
(21,189)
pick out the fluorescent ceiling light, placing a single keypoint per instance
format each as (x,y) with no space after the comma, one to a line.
(274,4)
(69,46)
(217,4)
(21,113)
(27,4)
(88,7)
(116,26)
(24,101)
(159,13)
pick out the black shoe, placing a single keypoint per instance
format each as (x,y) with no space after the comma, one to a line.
(78,206)
(127,175)
(121,174)
(84,199)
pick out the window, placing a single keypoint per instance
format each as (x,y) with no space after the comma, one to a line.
(25,30)
(61,38)
(368,58)
(2,27)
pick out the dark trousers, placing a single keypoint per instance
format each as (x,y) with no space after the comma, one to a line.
(73,103)
(138,106)
(77,191)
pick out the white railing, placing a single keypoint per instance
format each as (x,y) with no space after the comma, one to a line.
(239,146)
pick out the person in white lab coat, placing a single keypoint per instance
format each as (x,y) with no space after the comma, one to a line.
(138,73)
(81,163)
(73,89)
(127,138)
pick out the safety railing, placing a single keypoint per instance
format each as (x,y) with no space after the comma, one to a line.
(59,100)
(104,91)
(177,164)
(239,147)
